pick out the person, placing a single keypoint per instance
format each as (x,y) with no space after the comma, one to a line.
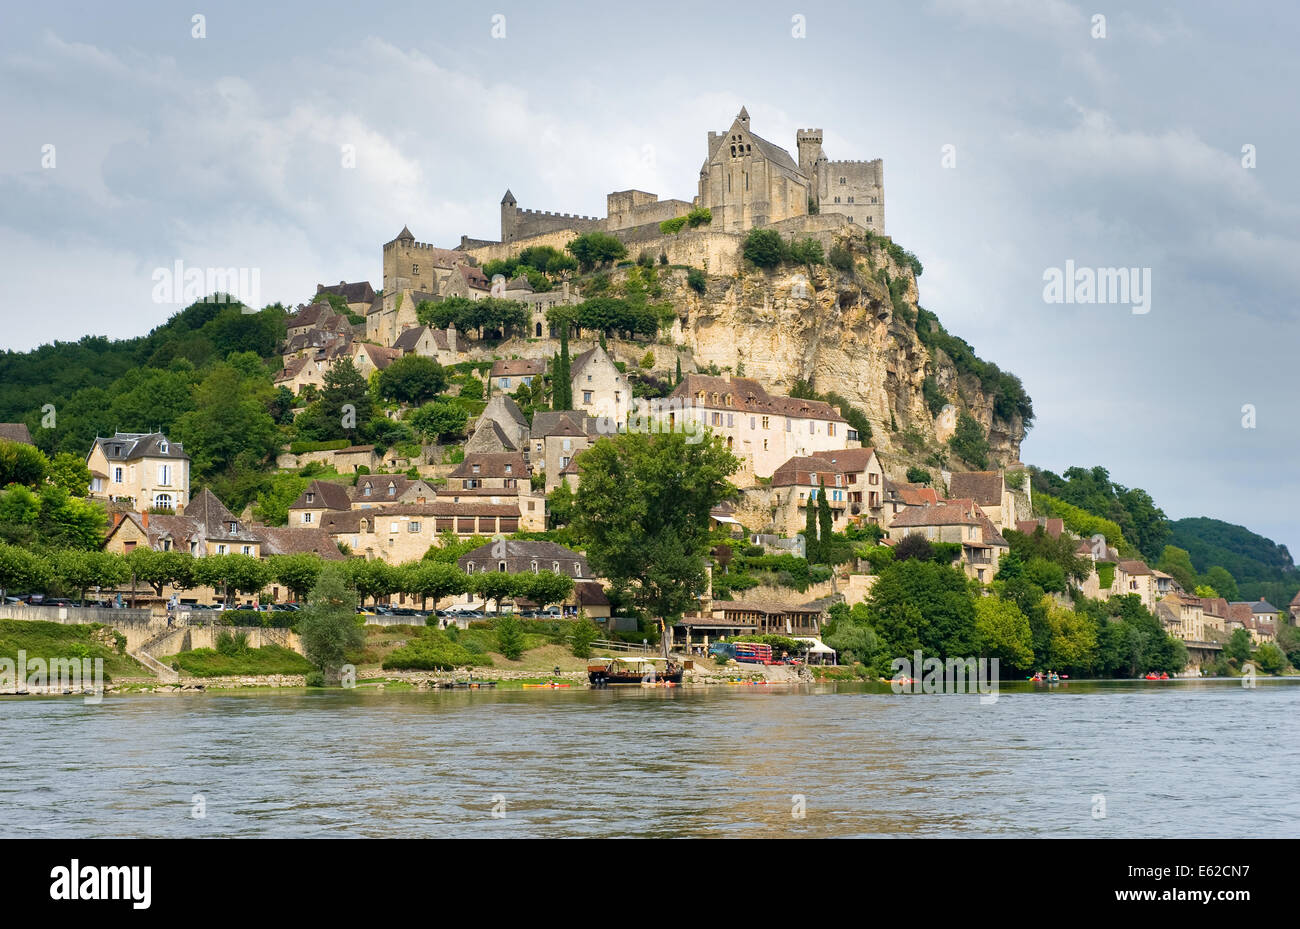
(119,602)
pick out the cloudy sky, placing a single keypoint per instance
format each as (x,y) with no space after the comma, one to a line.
(1117,151)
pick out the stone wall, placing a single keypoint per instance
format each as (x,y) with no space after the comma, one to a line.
(137,625)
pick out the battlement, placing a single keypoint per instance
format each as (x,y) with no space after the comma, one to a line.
(592,219)
(808,135)
(865,161)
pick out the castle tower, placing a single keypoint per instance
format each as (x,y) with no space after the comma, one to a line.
(509,216)
(810,153)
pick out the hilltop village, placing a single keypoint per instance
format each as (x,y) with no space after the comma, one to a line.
(491,370)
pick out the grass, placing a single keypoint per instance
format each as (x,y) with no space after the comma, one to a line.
(269,659)
(45,640)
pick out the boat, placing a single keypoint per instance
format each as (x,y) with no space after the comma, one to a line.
(639,670)
(551,684)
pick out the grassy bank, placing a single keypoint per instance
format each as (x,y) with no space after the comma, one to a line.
(44,640)
(269,659)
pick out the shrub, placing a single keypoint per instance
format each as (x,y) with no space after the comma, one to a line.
(471,389)
(934,398)
(841,259)
(969,442)
(808,252)
(765,248)
(918,475)
(648,360)
(700,216)
(302,448)
(584,633)
(510,637)
(672,226)
(696,280)
(315,679)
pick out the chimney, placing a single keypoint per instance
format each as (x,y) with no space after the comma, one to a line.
(144,519)
(451,337)
(117,520)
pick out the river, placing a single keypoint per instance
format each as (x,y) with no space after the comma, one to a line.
(1104,759)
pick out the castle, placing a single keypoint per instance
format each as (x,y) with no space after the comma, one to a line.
(745,181)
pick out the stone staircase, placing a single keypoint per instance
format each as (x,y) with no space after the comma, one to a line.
(143,655)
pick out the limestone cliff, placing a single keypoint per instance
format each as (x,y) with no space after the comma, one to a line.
(847,334)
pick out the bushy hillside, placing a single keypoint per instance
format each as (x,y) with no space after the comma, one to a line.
(1262,567)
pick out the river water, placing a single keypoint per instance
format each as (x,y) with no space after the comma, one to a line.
(1179,758)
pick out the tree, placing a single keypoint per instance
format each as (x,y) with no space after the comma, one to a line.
(1270,658)
(969,442)
(584,633)
(273,502)
(596,249)
(439,419)
(643,508)
(434,580)
(81,570)
(920,604)
(229,427)
(412,379)
(1238,646)
(160,569)
(23,571)
(914,546)
(298,572)
(494,585)
(372,578)
(330,626)
(344,409)
(1073,638)
(510,637)
(69,522)
(811,551)
(825,524)
(544,587)
(21,463)
(917,475)
(233,573)
(1226,586)
(561,378)
(765,248)
(69,471)
(560,505)
(1177,563)
(1002,632)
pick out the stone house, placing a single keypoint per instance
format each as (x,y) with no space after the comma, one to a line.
(441,345)
(508,374)
(1135,577)
(494,471)
(368,358)
(404,532)
(1261,621)
(1295,610)
(900,496)
(795,487)
(358,296)
(600,389)
(555,438)
(763,430)
(143,469)
(518,556)
(864,481)
(319,498)
(982,545)
(501,427)
(1183,616)
(319,317)
(351,459)
(989,491)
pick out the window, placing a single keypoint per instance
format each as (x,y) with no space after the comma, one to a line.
(586,396)
(162,447)
(96,485)
(505,382)
(534,565)
(564,461)
(765,445)
(365,491)
(555,567)
(221,549)
(234,527)
(306,518)
(577,569)
(501,566)
(567,445)
(392,527)
(415,269)
(392,489)
(837,199)
(165,475)
(873,478)
(310,497)
(766,422)
(413,526)
(474,469)
(469,568)
(163,501)
(117,475)
(842,180)
(247,550)
(588,378)
(788,425)
(753,423)
(850,199)
(731,420)
(830,429)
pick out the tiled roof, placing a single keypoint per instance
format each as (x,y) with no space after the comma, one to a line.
(15,432)
(850,460)
(518,367)
(519,554)
(358,292)
(298,540)
(380,356)
(1134,568)
(943,514)
(562,423)
(749,396)
(129,446)
(805,470)
(336,522)
(325,494)
(491,464)
(984,487)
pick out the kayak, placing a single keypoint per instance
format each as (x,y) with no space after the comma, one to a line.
(548,685)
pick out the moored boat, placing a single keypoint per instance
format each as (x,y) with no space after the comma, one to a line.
(640,670)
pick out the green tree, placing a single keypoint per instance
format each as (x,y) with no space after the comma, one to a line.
(1270,658)
(969,442)
(412,379)
(920,604)
(273,502)
(1238,646)
(510,636)
(434,580)
(914,546)
(329,627)
(229,427)
(23,571)
(495,586)
(765,248)
(160,569)
(811,550)
(439,419)
(22,464)
(1177,563)
(80,570)
(825,524)
(1073,638)
(596,249)
(1002,632)
(544,588)
(643,508)
(584,633)
(561,378)
(298,572)
(1223,582)
(69,471)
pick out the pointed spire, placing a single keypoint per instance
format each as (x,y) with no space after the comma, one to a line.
(509,198)
(743,115)
(404,235)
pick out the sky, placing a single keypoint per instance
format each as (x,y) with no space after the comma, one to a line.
(1017,136)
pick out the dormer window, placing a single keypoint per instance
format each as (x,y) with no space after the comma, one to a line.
(234,527)
(474,469)
(392,489)
(508,471)
(365,491)
(162,447)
